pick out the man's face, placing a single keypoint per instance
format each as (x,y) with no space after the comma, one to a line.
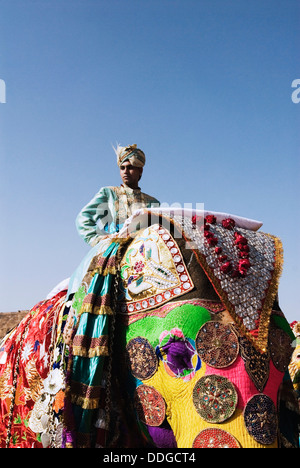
(130,175)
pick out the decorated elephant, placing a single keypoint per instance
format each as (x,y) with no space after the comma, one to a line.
(174,339)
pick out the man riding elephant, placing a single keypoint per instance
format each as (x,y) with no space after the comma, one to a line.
(111,206)
(99,223)
(103,217)
(170,337)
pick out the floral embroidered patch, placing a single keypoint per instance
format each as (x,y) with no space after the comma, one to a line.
(215,398)
(261,419)
(150,405)
(215,438)
(142,358)
(217,344)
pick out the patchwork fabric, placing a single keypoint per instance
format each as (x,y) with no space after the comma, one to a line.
(201,373)
(218,405)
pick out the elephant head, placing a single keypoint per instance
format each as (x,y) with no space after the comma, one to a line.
(206,343)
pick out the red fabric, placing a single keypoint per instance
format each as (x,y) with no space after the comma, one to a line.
(34,364)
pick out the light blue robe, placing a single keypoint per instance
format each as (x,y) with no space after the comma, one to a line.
(105,214)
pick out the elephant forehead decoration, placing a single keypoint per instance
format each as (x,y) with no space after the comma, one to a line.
(244,267)
(153,271)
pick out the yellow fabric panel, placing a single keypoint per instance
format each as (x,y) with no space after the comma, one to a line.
(183,417)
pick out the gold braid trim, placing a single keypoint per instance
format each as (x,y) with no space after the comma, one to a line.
(96,310)
(263,331)
(85,396)
(85,403)
(104,266)
(105,271)
(90,353)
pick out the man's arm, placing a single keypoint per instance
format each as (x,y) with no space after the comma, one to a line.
(87,222)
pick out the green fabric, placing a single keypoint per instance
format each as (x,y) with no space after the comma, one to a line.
(188,318)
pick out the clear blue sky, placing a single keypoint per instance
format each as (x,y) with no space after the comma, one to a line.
(203,86)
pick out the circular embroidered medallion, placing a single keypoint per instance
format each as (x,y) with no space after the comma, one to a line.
(217,344)
(215,398)
(150,405)
(142,358)
(280,348)
(260,419)
(215,438)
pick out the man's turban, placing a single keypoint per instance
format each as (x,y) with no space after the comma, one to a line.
(131,153)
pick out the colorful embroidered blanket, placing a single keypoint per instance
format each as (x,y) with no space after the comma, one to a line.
(243,265)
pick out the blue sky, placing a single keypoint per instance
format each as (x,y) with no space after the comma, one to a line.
(203,86)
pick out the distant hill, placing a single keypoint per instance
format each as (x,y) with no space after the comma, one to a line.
(9,320)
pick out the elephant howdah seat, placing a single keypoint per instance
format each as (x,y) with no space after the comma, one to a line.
(174,339)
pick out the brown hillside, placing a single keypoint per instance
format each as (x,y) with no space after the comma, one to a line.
(9,320)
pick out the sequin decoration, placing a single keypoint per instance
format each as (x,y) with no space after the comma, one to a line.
(257,364)
(215,438)
(150,405)
(280,348)
(217,344)
(261,419)
(244,296)
(215,398)
(142,358)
